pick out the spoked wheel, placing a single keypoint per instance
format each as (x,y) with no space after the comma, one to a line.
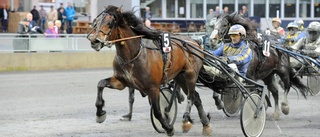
(252,126)
(232,99)
(314,84)
(171,116)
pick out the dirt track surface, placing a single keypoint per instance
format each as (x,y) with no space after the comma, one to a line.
(61,103)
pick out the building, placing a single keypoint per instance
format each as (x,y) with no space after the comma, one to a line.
(186,11)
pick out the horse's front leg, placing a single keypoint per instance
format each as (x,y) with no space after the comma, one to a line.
(111,82)
(128,116)
(154,98)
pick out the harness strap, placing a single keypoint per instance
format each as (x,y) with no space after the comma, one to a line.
(127,38)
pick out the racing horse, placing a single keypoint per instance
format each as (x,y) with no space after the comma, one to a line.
(144,66)
(261,67)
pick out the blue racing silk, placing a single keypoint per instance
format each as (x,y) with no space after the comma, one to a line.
(240,54)
(297,36)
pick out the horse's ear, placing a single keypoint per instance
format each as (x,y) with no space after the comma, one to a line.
(120,9)
(232,15)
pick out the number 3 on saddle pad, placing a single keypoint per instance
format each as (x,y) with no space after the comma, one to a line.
(166,42)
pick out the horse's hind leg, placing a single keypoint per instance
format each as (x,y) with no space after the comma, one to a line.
(271,84)
(110,83)
(205,119)
(128,116)
(217,100)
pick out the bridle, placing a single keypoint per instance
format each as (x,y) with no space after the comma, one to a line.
(106,39)
(97,25)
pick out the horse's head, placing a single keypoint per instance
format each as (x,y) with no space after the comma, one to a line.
(221,27)
(104,26)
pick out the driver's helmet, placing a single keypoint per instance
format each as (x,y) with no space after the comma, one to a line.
(293,25)
(313,26)
(300,23)
(276,20)
(237,29)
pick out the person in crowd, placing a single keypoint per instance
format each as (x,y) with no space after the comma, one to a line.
(277,30)
(70,14)
(244,12)
(20,8)
(4,16)
(58,27)
(148,14)
(211,19)
(309,46)
(35,14)
(35,28)
(148,24)
(217,10)
(24,26)
(226,10)
(237,53)
(51,31)
(292,36)
(62,16)
(43,17)
(53,14)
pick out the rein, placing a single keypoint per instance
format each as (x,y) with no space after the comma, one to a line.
(127,38)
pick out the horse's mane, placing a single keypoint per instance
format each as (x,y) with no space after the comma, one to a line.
(128,18)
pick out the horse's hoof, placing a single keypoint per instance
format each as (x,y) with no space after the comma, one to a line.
(170,132)
(275,116)
(186,126)
(285,108)
(220,106)
(100,119)
(126,118)
(207,131)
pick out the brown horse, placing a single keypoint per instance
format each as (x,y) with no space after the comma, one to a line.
(141,64)
(265,67)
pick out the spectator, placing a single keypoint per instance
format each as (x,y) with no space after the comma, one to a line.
(244,13)
(148,14)
(61,16)
(33,25)
(4,16)
(226,10)
(35,14)
(70,13)
(43,17)
(53,14)
(51,32)
(148,24)
(24,27)
(217,11)
(58,26)
(20,8)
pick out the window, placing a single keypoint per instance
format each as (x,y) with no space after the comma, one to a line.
(305,8)
(155,9)
(290,8)
(181,8)
(245,3)
(81,6)
(229,4)
(211,4)
(274,6)
(316,8)
(259,8)
(170,8)
(196,9)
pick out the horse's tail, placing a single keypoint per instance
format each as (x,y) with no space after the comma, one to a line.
(297,83)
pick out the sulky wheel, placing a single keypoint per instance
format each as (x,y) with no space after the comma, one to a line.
(232,99)
(252,126)
(314,84)
(164,101)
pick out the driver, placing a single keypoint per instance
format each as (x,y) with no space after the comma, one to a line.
(277,29)
(309,46)
(237,53)
(293,35)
